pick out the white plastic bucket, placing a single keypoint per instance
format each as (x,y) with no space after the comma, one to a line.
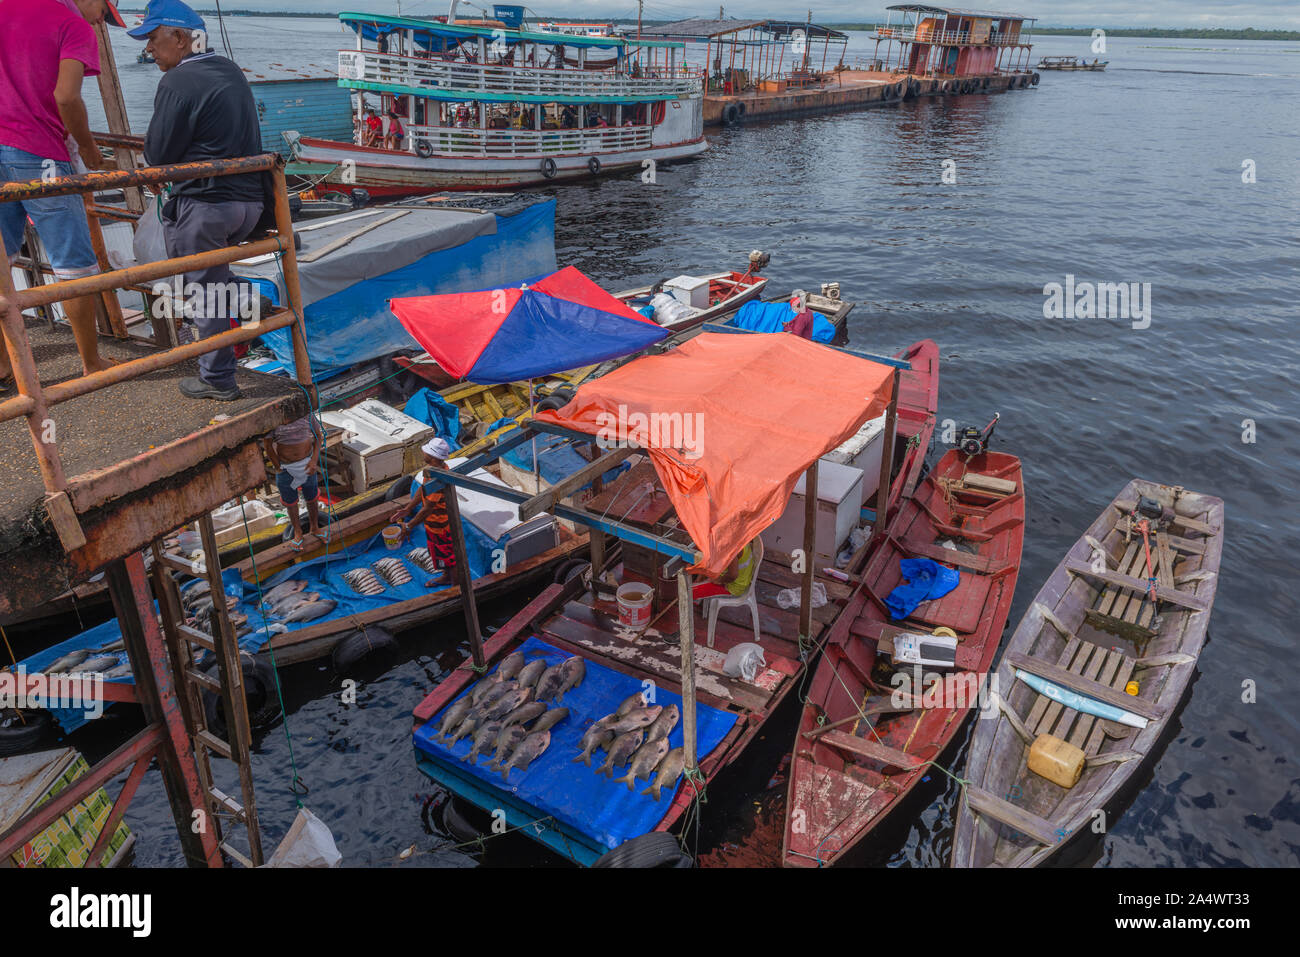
(634,601)
(393,537)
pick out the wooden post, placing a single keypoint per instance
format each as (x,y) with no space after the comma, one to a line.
(809,550)
(686,626)
(465,578)
(597,538)
(110,92)
(289,265)
(886,462)
(108,298)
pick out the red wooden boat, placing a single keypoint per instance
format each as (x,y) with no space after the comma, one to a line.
(861,747)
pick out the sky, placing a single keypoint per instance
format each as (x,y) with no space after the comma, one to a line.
(1264,14)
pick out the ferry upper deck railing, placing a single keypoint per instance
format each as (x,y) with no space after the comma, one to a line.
(34,400)
(950,37)
(457,141)
(457,79)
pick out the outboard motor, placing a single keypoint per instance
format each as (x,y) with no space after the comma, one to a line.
(360,198)
(973,441)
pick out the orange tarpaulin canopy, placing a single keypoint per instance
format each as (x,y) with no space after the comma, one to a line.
(731,422)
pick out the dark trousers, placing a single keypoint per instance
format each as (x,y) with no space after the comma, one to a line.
(198,227)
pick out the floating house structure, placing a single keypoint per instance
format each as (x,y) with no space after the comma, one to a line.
(954,44)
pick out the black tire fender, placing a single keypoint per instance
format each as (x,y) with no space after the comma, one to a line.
(423,149)
(260,694)
(656,849)
(455,822)
(363,645)
(549,169)
(593,164)
(730,114)
(19,735)
(400,489)
(567,570)
(1033,81)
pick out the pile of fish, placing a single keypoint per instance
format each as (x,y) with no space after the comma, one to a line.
(289,602)
(105,661)
(392,570)
(422,558)
(200,607)
(636,734)
(364,582)
(505,712)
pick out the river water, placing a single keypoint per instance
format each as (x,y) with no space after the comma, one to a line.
(946,219)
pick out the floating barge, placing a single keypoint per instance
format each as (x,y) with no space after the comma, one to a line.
(1069,63)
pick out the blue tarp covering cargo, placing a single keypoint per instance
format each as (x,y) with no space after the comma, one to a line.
(592,804)
(772,317)
(394,252)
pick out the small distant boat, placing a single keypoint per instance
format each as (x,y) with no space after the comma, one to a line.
(143,57)
(1071,63)
(1129,605)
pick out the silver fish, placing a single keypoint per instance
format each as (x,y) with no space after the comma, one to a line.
(60,665)
(531,672)
(468,726)
(621,750)
(121,671)
(312,610)
(98,663)
(644,761)
(510,666)
(550,682)
(392,571)
(597,736)
(664,724)
(119,645)
(549,720)
(494,692)
(667,772)
(484,737)
(635,701)
(636,718)
(575,669)
(420,557)
(286,605)
(507,703)
(454,715)
(525,713)
(507,740)
(528,751)
(281,591)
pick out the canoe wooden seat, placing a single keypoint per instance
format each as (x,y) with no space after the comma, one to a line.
(871,749)
(1094,668)
(1124,606)
(968,561)
(960,609)
(1004,812)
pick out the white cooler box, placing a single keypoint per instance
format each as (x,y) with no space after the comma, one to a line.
(377,441)
(839,502)
(863,451)
(690,290)
(495,517)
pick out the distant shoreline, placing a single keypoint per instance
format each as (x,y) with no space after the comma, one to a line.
(1249,33)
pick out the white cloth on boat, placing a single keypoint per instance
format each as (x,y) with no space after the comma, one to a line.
(297,471)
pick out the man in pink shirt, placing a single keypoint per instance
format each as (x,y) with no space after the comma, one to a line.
(46,48)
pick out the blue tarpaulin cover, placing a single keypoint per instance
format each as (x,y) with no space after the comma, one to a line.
(772,317)
(571,792)
(926,580)
(432,409)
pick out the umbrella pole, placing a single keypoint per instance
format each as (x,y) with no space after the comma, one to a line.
(537,482)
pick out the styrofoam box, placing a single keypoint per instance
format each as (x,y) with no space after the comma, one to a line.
(839,504)
(862,451)
(496,516)
(375,439)
(689,289)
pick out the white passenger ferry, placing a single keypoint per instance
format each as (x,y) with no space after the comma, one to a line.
(484,104)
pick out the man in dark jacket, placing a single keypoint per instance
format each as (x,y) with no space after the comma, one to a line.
(203,110)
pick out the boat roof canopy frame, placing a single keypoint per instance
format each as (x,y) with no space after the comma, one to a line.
(960,12)
(457,31)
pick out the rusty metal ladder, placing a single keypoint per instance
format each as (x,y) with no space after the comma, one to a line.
(228,686)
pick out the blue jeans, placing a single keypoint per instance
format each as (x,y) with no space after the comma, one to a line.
(289,494)
(60,221)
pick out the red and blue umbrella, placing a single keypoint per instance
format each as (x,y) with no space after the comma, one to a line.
(560,322)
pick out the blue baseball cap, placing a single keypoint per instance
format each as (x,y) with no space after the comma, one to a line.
(167,13)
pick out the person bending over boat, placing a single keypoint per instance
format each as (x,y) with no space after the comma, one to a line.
(46,48)
(203,111)
(735,578)
(429,503)
(294,449)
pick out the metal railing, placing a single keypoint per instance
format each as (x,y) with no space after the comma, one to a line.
(451,141)
(34,400)
(951,37)
(448,78)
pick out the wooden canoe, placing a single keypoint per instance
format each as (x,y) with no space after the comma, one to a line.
(1092,629)
(728,291)
(860,749)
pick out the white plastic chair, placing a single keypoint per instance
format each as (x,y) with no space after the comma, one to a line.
(714,603)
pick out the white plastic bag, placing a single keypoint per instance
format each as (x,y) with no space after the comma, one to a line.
(790,597)
(744,660)
(148,244)
(309,843)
